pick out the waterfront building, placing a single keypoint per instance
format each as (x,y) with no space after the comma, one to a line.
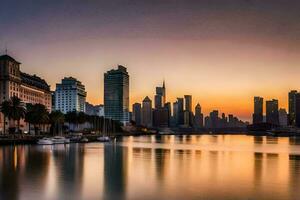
(207,122)
(297,109)
(292,107)
(198,119)
(70,95)
(283,117)
(29,88)
(137,113)
(180,111)
(188,102)
(272,116)
(258,110)
(168,107)
(96,110)
(214,119)
(161,117)
(175,113)
(116,94)
(147,112)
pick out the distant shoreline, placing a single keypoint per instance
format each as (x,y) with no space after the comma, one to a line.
(93,138)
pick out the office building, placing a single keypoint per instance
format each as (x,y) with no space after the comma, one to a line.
(70,95)
(147,112)
(292,107)
(258,110)
(29,88)
(283,117)
(137,113)
(198,119)
(272,116)
(116,94)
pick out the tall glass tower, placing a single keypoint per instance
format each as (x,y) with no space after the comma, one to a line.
(116,94)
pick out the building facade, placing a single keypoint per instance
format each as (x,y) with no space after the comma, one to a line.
(272,115)
(137,113)
(147,112)
(70,95)
(292,107)
(96,110)
(29,88)
(116,94)
(198,119)
(258,110)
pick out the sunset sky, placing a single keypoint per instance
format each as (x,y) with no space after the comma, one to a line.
(223,52)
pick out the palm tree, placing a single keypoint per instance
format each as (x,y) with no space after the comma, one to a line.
(57,118)
(5,109)
(37,115)
(13,109)
(18,110)
(71,118)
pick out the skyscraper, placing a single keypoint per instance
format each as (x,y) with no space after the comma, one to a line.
(116,94)
(175,113)
(137,113)
(180,111)
(160,97)
(70,95)
(283,119)
(188,102)
(198,120)
(214,119)
(272,115)
(258,110)
(297,109)
(292,107)
(147,112)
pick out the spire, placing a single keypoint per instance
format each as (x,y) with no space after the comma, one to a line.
(164,83)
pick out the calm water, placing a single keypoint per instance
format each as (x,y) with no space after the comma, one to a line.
(166,167)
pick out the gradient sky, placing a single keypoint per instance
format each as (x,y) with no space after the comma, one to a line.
(223,52)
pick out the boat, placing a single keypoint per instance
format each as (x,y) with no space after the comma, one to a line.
(60,140)
(84,139)
(45,141)
(103,139)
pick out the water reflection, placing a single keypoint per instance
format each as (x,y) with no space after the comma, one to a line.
(154,167)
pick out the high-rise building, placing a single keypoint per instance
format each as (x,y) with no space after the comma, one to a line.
(283,117)
(292,107)
(70,95)
(168,107)
(188,102)
(272,115)
(161,117)
(116,94)
(258,110)
(175,113)
(158,102)
(297,109)
(147,112)
(29,88)
(180,111)
(214,119)
(160,97)
(198,119)
(137,113)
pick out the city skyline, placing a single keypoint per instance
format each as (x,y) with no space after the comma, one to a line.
(224,53)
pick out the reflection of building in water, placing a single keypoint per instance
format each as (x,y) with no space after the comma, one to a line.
(9,174)
(115,172)
(162,157)
(258,169)
(294,169)
(69,162)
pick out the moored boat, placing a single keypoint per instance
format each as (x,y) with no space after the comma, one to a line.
(103,139)
(45,141)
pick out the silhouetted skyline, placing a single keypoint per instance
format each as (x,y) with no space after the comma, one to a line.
(223,53)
